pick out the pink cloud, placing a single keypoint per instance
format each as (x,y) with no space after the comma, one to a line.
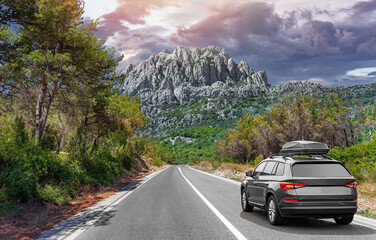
(132,12)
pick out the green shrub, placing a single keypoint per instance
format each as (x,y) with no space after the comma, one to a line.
(103,167)
(23,167)
(19,132)
(157,161)
(372,175)
(57,194)
(8,208)
(360,159)
(125,158)
(258,159)
(49,139)
(18,184)
(29,173)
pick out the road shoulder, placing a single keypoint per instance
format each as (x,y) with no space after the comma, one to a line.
(75,225)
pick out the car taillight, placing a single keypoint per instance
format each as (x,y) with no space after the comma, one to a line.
(352,185)
(289,186)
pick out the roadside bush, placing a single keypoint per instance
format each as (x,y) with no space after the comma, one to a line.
(29,173)
(103,167)
(157,162)
(23,167)
(258,159)
(49,140)
(57,194)
(360,159)
(18,184)
(124,157)
(144,147)
(19,132)
(51,169)
(22,170)
(9,208)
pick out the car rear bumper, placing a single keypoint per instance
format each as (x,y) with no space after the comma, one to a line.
(318,209)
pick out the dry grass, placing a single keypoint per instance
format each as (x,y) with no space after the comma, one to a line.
(367,197)
(367,190)
(234,171)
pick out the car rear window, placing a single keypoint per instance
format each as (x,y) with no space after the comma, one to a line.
(319,170)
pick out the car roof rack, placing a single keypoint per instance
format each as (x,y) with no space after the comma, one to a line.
(309,148)
(284,156)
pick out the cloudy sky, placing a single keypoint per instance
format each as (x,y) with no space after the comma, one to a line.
(332,42)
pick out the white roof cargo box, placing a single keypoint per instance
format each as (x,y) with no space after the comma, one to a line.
(304,148)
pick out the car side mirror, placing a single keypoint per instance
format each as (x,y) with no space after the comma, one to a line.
(248,174)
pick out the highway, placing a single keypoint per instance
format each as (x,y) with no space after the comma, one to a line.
(182,203)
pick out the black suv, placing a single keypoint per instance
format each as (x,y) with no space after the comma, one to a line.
(308,186)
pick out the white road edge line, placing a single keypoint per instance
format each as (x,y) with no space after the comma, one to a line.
(231,227)
(365,220)
(363,223)
(75,233)
(219,177)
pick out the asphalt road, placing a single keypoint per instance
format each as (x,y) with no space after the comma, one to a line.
(182,203)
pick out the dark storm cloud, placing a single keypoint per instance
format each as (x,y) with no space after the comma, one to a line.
(256,27)
(235,23)
(364,7)
(292,46)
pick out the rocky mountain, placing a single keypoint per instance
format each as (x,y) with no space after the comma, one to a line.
(205,87)
(171,79)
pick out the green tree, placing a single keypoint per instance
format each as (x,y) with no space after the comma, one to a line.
(292,119)
(55,54)
(126,112)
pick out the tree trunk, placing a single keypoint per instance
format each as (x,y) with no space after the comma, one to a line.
(347,141)
(58,143)
(42,120)
(86,120)
(38,110)
(95,141)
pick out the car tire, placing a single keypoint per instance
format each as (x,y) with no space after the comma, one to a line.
(272,212)
(343,220)
(245,205)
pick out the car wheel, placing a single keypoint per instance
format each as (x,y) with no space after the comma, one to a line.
(272,211)
(245,205)
(343,220)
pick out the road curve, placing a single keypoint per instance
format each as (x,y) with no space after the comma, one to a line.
(181,203)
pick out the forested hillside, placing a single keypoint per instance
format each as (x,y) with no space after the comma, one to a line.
(62,123)
(348,130)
